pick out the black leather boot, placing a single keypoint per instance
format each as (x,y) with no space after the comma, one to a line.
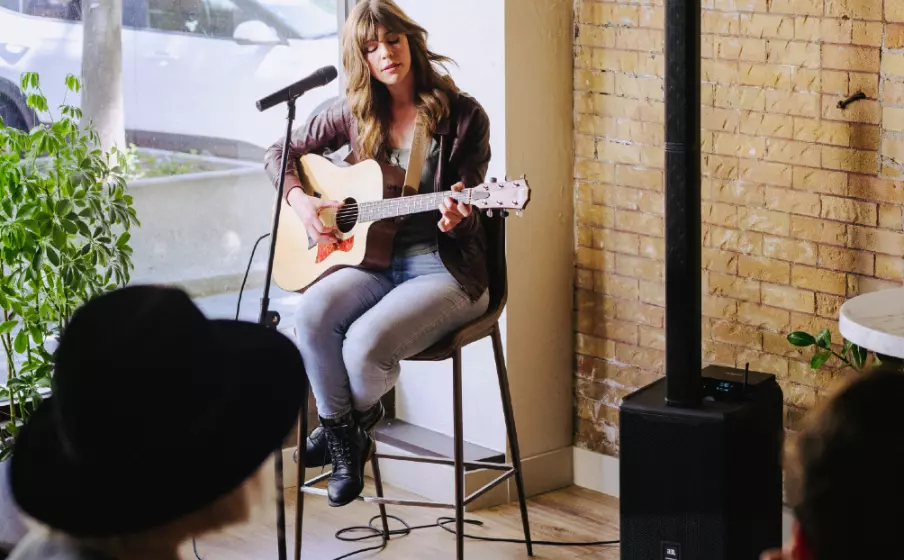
(350,448)
(317,452)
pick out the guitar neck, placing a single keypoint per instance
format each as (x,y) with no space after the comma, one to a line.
(403,206)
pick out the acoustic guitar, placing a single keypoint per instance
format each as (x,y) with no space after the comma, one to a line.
(368,219)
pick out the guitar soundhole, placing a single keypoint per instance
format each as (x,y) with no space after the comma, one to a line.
(347,216)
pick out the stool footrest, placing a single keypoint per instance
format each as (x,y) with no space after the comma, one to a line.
(443,461)
(489,486)
(384,501)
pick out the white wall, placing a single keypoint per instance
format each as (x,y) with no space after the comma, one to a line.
(477,44)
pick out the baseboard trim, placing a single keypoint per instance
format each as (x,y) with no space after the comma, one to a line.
(596,472)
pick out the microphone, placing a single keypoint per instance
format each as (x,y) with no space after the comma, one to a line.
(317,79)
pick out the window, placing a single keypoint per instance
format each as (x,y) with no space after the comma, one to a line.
(69,10)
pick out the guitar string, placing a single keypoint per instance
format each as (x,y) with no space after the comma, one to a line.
(352,208)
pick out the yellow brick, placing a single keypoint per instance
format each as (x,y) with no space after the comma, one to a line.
(878,240)
(764,124)
(828,306)
(617,286)
(857,161)
(652,338)
(652,17)
(583,102)
(739,5)
(652,247)
(842,57)
(720,167)
(891,268)
(616,15)
(613,60)
(583,279)
(719,72)
(640,178)
(592,346)
(737,334)
(894,36)
(847,210)
(653,156)
(810,80)
(738,145)
(584,236)
(638,223)
(652,293)
(639,39)
(767,221)
(890,217)
(726,120)
(749,98)
(595,260)
(595,36)
(767,26)
(651,65)
(787,297)
(764,172)
(644,269)
(808,28)
(601,327)
(593,125)
(765,269)
(855,9)
(846,260)
(893,64)
(867,83)
(794,7)
(893,93)
(880,190)
(750,243)
(622,108)
(736,48)
(787,103)
(593,215)
(646,358)
(718,353)
(739,193)
(819,280)
(835,83)
(893,148)
(594,170)
(720,261)
(864,285)
(794,53)
(789,249)
(814,324)
(822,132)
(588,80)
(734,287)
(584,147)
(720,214)
(617,241)
(787,151)
(766,363)
(764,317)
(647,133)
(720,23)
(893,119)
(894,11)
(821,231)
(792,202)
(836,30)
(640,313)
(818,180)
(720,308)
(638,87)
(868,33)
(765,75)
(865,137)
(618,153)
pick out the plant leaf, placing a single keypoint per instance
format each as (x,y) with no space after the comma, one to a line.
(819,359)
(21,343)
(800,338)
(824,339)
(8,326)
(847,348)
(859,354)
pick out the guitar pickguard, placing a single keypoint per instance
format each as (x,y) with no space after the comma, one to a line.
(325,251)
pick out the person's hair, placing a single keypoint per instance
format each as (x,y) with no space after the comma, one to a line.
(242,504)
(368,98)
(845,475)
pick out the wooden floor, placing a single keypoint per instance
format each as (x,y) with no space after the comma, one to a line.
(570,514)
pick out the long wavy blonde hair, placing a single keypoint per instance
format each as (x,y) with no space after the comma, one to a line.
(368,98)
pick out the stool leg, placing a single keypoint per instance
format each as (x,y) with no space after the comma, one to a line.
(512,433)
(378,482)
(459,457)
(302,438)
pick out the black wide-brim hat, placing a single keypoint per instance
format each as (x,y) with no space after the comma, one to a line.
(156,412)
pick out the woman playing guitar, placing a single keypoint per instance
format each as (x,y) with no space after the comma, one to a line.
(354,326)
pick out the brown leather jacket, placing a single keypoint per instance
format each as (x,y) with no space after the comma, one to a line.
(464,143)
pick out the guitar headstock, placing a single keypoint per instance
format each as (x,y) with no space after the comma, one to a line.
(501,195)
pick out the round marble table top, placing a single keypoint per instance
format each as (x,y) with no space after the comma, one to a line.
(875,321)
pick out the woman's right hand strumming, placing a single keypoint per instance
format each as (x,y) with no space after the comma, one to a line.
(308,209)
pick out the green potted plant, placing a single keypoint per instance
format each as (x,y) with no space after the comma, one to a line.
(850,355)
(64,237)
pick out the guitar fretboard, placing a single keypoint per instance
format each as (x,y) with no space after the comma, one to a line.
(402,206)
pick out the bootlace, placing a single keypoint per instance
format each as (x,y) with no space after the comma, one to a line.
(339,441)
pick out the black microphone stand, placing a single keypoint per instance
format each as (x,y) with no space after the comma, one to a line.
(271,319)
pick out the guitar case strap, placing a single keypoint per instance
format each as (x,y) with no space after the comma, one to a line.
(418,156)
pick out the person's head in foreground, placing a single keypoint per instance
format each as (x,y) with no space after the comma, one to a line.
(160,428)
(846,474)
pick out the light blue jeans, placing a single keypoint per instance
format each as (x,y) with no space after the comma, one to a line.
(355,326)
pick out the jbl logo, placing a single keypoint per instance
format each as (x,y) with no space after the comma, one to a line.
(671,551)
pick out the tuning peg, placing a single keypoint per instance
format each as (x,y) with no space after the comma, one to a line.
(490,213)
(504,213)
(519,213)
(492,179)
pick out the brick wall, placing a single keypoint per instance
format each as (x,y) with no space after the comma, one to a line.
(802,207)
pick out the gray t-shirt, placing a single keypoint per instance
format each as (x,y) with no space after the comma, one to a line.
(41,546)
(417,233)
